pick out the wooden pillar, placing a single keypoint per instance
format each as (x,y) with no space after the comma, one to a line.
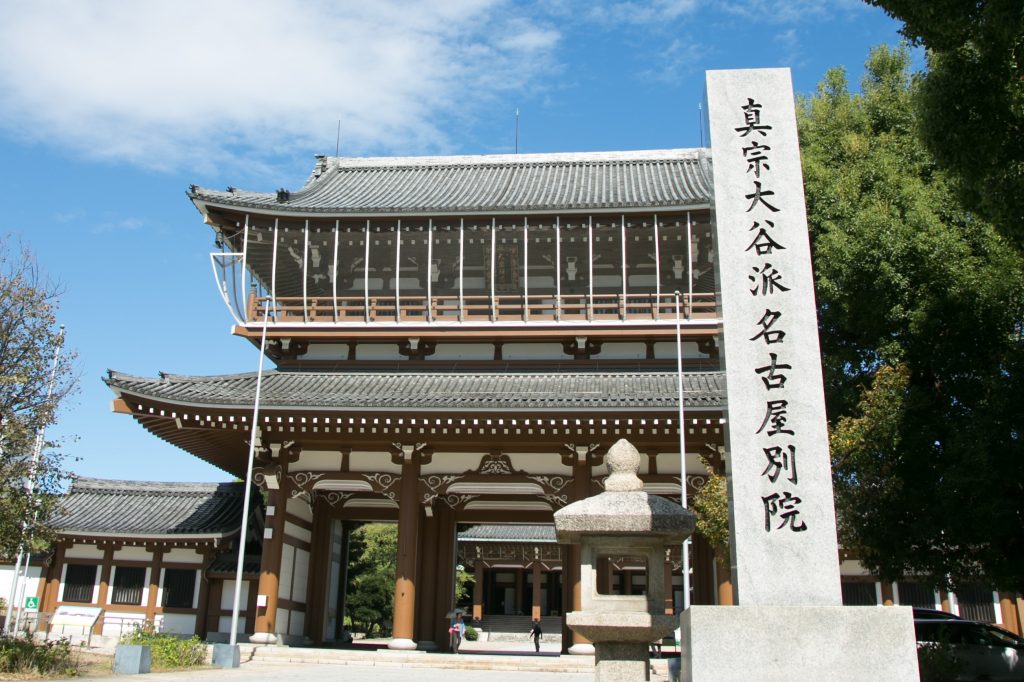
(520,590)
(339,621)
(945,603)
(214,595)
(478,590)
(1011,616)
(203,605)
(536,580)
(154,583)
(404,619)
(270,566)
(724,571)
(53,579)
(108,562)
(428,599)
(887,596)
(318,581)
(444,582)
(250,609)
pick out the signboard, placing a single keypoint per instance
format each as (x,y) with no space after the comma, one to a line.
(780,482)
(77,616)
(31,603)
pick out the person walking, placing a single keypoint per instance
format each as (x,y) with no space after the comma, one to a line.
(536,633)
(457,630)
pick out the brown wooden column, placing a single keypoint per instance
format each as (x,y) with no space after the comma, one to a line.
(944,601)
(404,618)
(520,590)
(724,571)
(318,580)
(53,578)
(339,621)
(154,583)
(444,583)
(427,599)
(211,615)
(203,604)
(478,590)
(536,580)
(1010,615)
(270,565)
(108,562)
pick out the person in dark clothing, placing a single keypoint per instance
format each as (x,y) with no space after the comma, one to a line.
(536,633)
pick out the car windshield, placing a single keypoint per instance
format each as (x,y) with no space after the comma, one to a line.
(1001,637)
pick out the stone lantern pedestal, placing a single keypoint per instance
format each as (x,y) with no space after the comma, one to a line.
(622,522)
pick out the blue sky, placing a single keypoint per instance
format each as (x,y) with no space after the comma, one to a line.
(109,110)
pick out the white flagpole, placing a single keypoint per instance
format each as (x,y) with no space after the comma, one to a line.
(682,454)
(254,433)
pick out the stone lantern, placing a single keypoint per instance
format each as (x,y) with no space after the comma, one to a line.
(622,522)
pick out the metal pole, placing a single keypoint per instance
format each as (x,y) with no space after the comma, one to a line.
(682,454)
(37,452)
(334,271)
(305,272)
(558,269)
(254,434)
(462,232)
(657,271)
(398,271)
(430,270)
(366,273)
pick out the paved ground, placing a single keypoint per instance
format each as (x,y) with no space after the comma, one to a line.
(322,672)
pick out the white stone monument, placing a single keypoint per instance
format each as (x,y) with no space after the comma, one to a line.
(789,622)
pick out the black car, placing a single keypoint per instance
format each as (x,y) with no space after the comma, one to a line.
(932,614)
(982,651)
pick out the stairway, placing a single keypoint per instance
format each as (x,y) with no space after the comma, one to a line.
(517,628)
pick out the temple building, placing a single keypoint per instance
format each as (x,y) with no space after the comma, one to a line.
(457,341)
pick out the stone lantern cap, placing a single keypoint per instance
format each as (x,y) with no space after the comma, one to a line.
(624,508)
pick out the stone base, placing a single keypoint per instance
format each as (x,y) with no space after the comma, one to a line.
(402,645)
(621,662)
(132,659)
(263,638)
(226,656)
(747,643)
(583,649)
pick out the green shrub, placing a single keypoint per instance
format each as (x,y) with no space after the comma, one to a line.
(937,662)
(23,655)
(471,634)
(168,651)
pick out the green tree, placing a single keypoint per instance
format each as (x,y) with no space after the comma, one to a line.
(371,591)
(971,100)
(29,337)
(920,306)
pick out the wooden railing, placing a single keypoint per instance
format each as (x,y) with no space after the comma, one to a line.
(502,308)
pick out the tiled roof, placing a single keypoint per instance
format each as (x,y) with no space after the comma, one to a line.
(508,533)
(146,508)
(409,390)
(500,183)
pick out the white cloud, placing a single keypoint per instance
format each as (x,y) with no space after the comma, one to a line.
(195,82)
(791,11)
(656,12)
(676,61)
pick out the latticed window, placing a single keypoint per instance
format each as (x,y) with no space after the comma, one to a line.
(859,594)
(128,583)
(79,581)
(916,594)
(976,603)
(179,587)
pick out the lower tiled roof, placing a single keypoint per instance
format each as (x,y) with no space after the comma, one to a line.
(99,506)
(412,390)
(508,533)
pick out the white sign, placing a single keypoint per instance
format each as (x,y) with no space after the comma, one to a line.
(780,484)
(78,616)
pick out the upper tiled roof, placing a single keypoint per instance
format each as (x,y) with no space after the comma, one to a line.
(508,533)
(146,508)
(410,390)
(487,184)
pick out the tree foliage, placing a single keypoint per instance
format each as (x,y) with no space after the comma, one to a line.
(711,504)
(371,591)
(29,337)
(920,306)
(971,101)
